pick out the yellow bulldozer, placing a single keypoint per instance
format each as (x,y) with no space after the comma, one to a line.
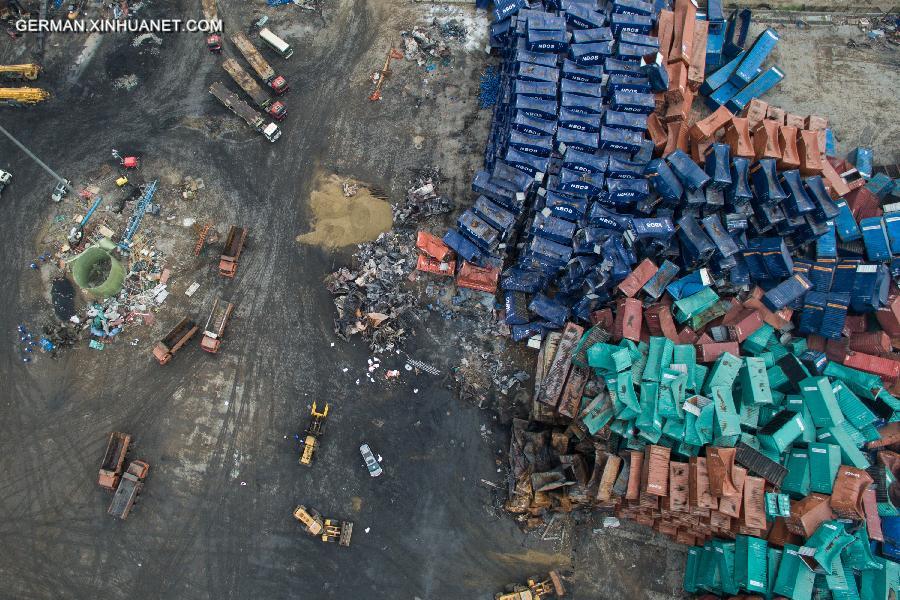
(23,95)
(535,589)
(328,530)
(28,71)
(313,432)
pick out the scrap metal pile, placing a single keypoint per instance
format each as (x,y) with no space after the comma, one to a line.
(712,300)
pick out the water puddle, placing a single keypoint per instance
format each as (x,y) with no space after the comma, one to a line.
(63,294)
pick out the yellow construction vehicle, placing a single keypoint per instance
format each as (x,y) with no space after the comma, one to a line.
(24,95)
(313,432)
(536,589)
(329,530)
(28,71)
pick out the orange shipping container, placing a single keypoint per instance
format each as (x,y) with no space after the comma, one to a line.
(484,279)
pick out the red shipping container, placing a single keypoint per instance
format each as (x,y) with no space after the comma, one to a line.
(432,246)
(790,153)
(755,112)
(664,31)
(658,133)
(889,316)
(765,140)
(795,121)
(737,135)
(839,187)
(873,342)
(855,324)
(433,265)
(776,114)
(816,342)
(810,156)
(603,318)
(708,127)
(836,350)
(750,322)
(687,336)
(707,353)
(641,274)
(864,204)
(683,31)
(628,320)
(885,368)
(698,55)
(484,279)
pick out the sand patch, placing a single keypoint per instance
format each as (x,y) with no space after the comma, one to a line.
(339,220)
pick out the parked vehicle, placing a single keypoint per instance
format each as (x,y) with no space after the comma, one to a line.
(174,340)
(60,191)
(263,69)
(314,430)
(274,108)
(255,120)
(276,43)
(5,178)
(129,489)
(328,530)
(234,245)
(113,460)
(215,325)
(371,462)
(535,589)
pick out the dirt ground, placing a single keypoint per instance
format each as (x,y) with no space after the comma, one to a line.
(215,518)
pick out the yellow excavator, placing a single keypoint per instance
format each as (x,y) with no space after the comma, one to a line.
(328,530)
(23,95)
(535,589)
(314,431)
(28,71)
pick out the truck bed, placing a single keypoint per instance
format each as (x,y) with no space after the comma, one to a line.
(218,318)
(115,451)
(178,332)
(234,241)
(256,60)
(233,103)
(246,82)
(123,499)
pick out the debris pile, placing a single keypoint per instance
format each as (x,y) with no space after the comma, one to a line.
(712,303)
(427,44)
(421,201)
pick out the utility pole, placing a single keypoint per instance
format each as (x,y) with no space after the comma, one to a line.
(41,163)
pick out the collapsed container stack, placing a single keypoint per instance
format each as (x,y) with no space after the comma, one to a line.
(715,316)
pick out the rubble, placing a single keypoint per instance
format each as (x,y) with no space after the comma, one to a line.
(425,44)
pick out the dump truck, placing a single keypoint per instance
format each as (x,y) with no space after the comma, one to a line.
(234,245)
(211,13)
(174,340)
(22,95)
(314,430)
(215,325)
(129,489)
(328,530)
(113,460)
(535,589)
(255,120)
(29,71)
(274,108)
(263,69)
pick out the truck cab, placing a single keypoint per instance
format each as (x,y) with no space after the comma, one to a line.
(214,43)
(279,85)
(277,110)
(5,177)
(272,132)
(129,489)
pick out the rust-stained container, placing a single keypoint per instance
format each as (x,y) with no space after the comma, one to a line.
(754,513)
(658,133)
(636,463)
(719,521)
(854,324)
(773,113)
(698,149)
(779,535)
(685,14)
(719,464)
(698,485)
(680,111)
(433,246)
(810,156)
(731,505)
(737,135)
(677,500)
(483,279)
(655,477)
(790,153)
(555,378)
(610,472)
(836,350)
(765,140)
(836,184)
(795,121)
(629,315)
(847,492)
(864,204)
(641,274)
(872,342)
(678,82)
(873,519)
(883,367)
(816,342)
(807,514)
(664,30)
(708,127)
(889,316)
(435,266)
(755,112)
(571,397)
(749,322)
(603,318)
(780,320)
(707,353)
(687,335)
(815,123)
(684,536)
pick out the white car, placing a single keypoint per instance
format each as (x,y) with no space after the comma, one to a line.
(371,462)
(60,191)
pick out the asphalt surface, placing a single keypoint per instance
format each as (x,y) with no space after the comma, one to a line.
(215,517)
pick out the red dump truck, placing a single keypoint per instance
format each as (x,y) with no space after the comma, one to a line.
(129,489)
(113,460)
(174,340)
(234,244)
(215,325)
(260,65)
(274,108)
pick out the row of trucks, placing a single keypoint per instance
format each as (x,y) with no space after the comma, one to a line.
(126,483)
(274,108)
(221,311)
(254,119)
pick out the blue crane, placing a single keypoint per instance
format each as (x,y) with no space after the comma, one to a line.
(135,220)
(77,232)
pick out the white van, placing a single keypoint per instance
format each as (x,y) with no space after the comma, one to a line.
(276,43)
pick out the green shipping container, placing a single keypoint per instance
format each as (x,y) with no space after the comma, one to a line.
(794,579)
(823,406)
(824,462)
(750,566)
(796,483)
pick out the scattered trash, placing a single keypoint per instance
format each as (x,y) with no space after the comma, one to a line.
(191,289)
